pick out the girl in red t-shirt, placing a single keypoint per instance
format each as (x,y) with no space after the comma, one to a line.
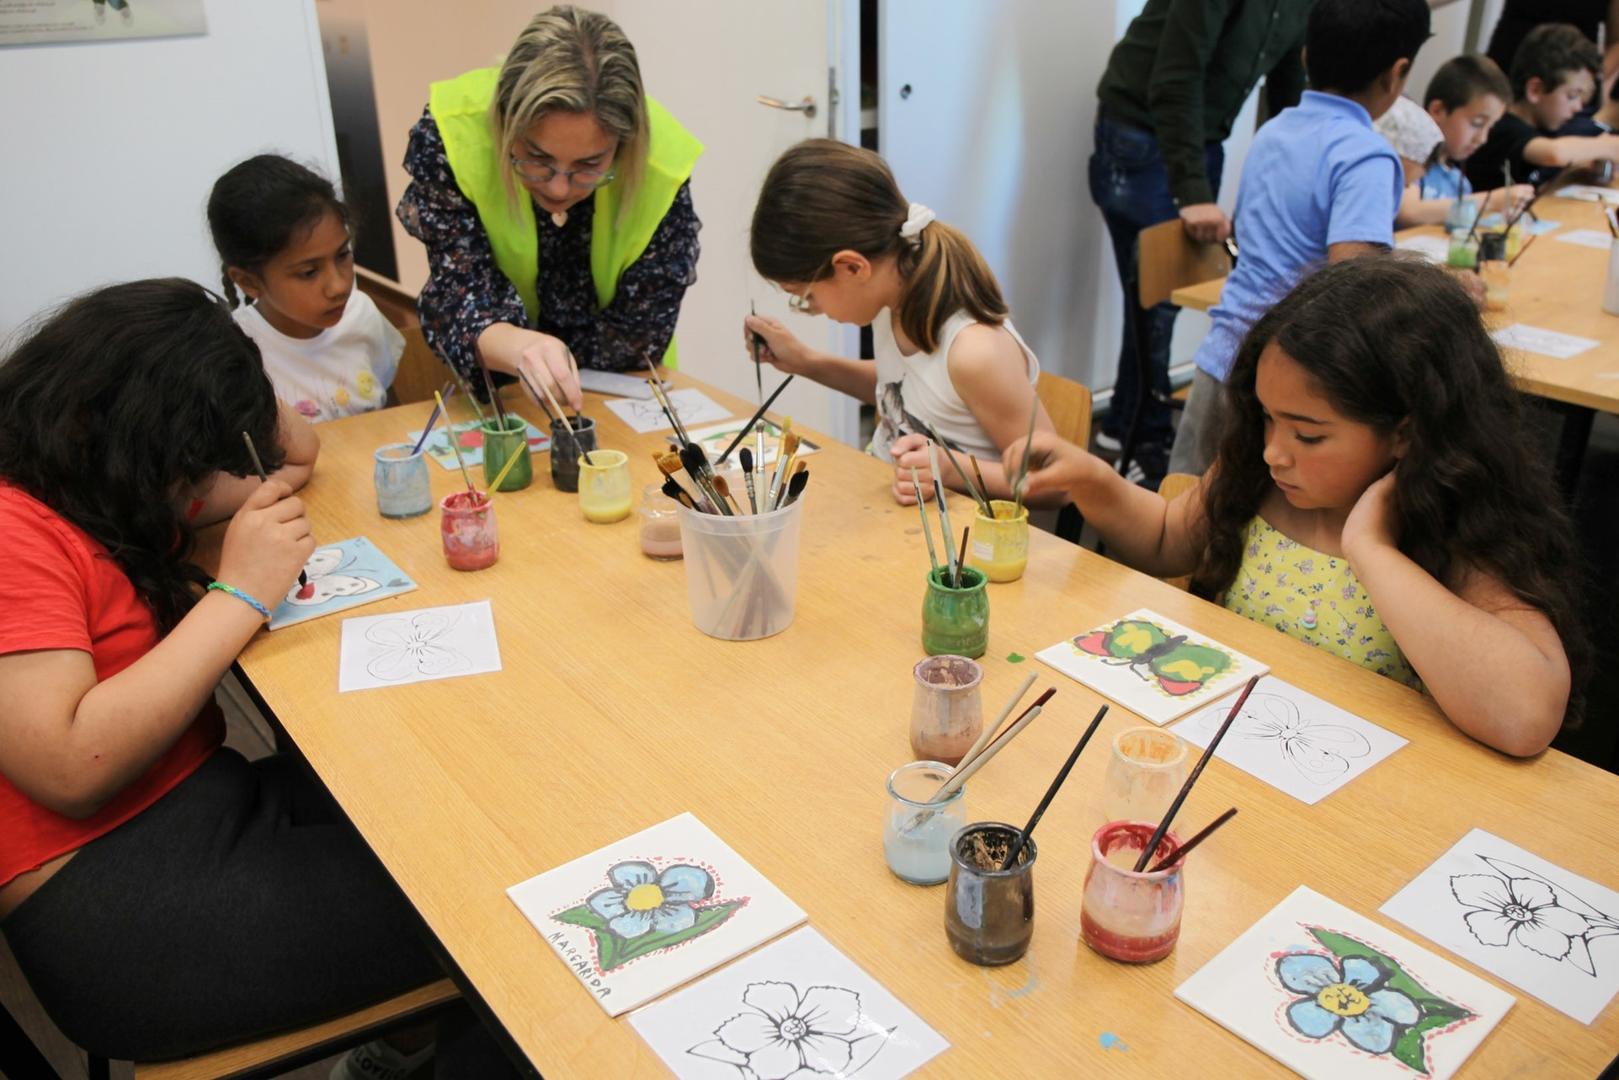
(162,894)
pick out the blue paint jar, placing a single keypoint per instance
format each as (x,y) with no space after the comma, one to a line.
(401,479)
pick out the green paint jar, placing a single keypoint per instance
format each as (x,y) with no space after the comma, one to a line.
(956,620)
(501,443)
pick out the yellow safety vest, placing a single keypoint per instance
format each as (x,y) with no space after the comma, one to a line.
(460,108)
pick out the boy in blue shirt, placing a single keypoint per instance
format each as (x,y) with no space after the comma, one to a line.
(1466,97)
(1319,186)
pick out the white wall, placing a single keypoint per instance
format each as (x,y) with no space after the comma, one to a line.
(111,147)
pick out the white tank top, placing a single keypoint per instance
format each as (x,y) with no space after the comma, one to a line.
(918,387)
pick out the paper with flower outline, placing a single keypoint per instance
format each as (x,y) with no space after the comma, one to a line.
(1240,988)
(1522,918)
(343,575)
(1294,741)
(417,646)
(797,1002)
(620,930)
(643,971)
(643,415)
(1138,681)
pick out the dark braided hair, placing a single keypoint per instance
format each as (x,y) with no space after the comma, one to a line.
(1388,339)
(257,207)
(117,404)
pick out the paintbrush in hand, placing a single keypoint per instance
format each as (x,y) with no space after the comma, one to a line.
(752,420)
(1197,770)
(978,497)
(1051,792)
(264,478)
(758,343)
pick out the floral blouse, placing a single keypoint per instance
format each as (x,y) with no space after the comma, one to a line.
(1315,598)
(466,292)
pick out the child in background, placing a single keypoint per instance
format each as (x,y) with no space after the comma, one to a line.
(1375,495)
(1465,97)
(1553,75)
(1319,186)
(283,235)
(832,228)
(1413,135)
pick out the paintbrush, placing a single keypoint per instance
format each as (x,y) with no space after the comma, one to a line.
(956,584)
(691,457)
(573,366)
(921,508)
(264,478)
(796,486)
(752,420)
(989,511)
(667,404)
(962,775)
(1197,770)
(758,343)
(472,399)
(558,417)
(990,730)
(455,447)
(674,424)
(944,510)
(982,502)
(788,470)
(494,398)
(573,435)
(788,444)
(672,488)
(1051,792)
(1521,249)
(1023,466)
(494,486)
(1202,835)
(746,457)
(447,392)
(722,486)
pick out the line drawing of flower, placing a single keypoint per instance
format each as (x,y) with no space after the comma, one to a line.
(782,1031)
(414,647)
(1507,910)
(1347,997)
(641,900)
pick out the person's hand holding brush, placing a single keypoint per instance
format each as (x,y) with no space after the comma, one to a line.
(1055,465)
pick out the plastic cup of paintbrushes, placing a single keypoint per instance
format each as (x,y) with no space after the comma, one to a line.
(1000,545)
(955,615)
(742,571)
(467,525)
(1125,915)
(400,476)
(565,451)
(916,833)
(988,911)
(604,486)
(502,441)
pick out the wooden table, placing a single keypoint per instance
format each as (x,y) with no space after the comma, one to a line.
(1555,286)
(613,713)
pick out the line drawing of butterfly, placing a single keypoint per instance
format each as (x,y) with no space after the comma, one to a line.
(414,647)
(1320,752)
(1170,661)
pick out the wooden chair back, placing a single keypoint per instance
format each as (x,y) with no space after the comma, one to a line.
(420,370)
(1068,403)
(1168,259)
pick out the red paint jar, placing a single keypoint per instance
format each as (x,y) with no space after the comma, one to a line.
(1128,916)
(467,525)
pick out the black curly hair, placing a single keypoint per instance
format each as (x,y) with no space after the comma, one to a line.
(1388,339)
(115,405)
(259,205)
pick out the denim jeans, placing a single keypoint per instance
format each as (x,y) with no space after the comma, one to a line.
(1131,187)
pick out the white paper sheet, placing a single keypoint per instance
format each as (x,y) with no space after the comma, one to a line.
(615,383)
(1540,927)
(797,1003)
(1544,342)
(1334,996)
(647,913)
(1153,666)
(692,406)
(417,646)
(716,437)
(1588,193)
(1433,248)
(1293,740)
(1591,238)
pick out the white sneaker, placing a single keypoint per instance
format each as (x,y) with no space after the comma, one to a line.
(376,1060)
(1107,442)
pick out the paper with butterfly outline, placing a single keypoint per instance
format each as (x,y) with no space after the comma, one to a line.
(340,576)
(1292,740)
(417,646)
(797,1004)
(1334,996)
(653,910)
(1530,922)
(1153,666)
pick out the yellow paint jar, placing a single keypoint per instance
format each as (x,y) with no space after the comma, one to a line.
(604,486)
(1000,545)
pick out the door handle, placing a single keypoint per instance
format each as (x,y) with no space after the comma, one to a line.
(807,106)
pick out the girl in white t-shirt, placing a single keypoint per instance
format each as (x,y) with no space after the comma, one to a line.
(283,237)
(832,228)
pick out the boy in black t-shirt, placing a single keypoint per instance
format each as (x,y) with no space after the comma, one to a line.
(1553,75)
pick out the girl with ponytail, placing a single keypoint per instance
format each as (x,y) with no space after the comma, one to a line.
(832,228)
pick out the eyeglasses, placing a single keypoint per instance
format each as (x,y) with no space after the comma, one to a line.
(800,302)
(584,179)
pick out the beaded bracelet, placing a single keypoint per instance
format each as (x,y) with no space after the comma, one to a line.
(232,590)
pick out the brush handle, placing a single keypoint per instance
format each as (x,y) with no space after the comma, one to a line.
(991,729)
(961,776)
(754,419)
(1051,792)
(933,557)
(1202,835)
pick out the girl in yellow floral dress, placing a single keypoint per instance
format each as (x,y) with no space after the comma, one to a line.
(1375,495)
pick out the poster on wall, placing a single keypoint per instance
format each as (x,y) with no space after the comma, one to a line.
(32,22)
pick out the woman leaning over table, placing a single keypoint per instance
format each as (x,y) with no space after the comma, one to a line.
(554,198)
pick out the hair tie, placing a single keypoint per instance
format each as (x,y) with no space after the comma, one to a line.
(917,218)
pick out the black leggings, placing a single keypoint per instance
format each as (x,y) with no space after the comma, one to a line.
(240,903)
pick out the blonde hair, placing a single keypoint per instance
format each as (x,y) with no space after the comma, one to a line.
(571,60)
(823,196)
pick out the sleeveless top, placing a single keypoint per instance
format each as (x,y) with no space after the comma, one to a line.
(1315,598)
(918,387)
